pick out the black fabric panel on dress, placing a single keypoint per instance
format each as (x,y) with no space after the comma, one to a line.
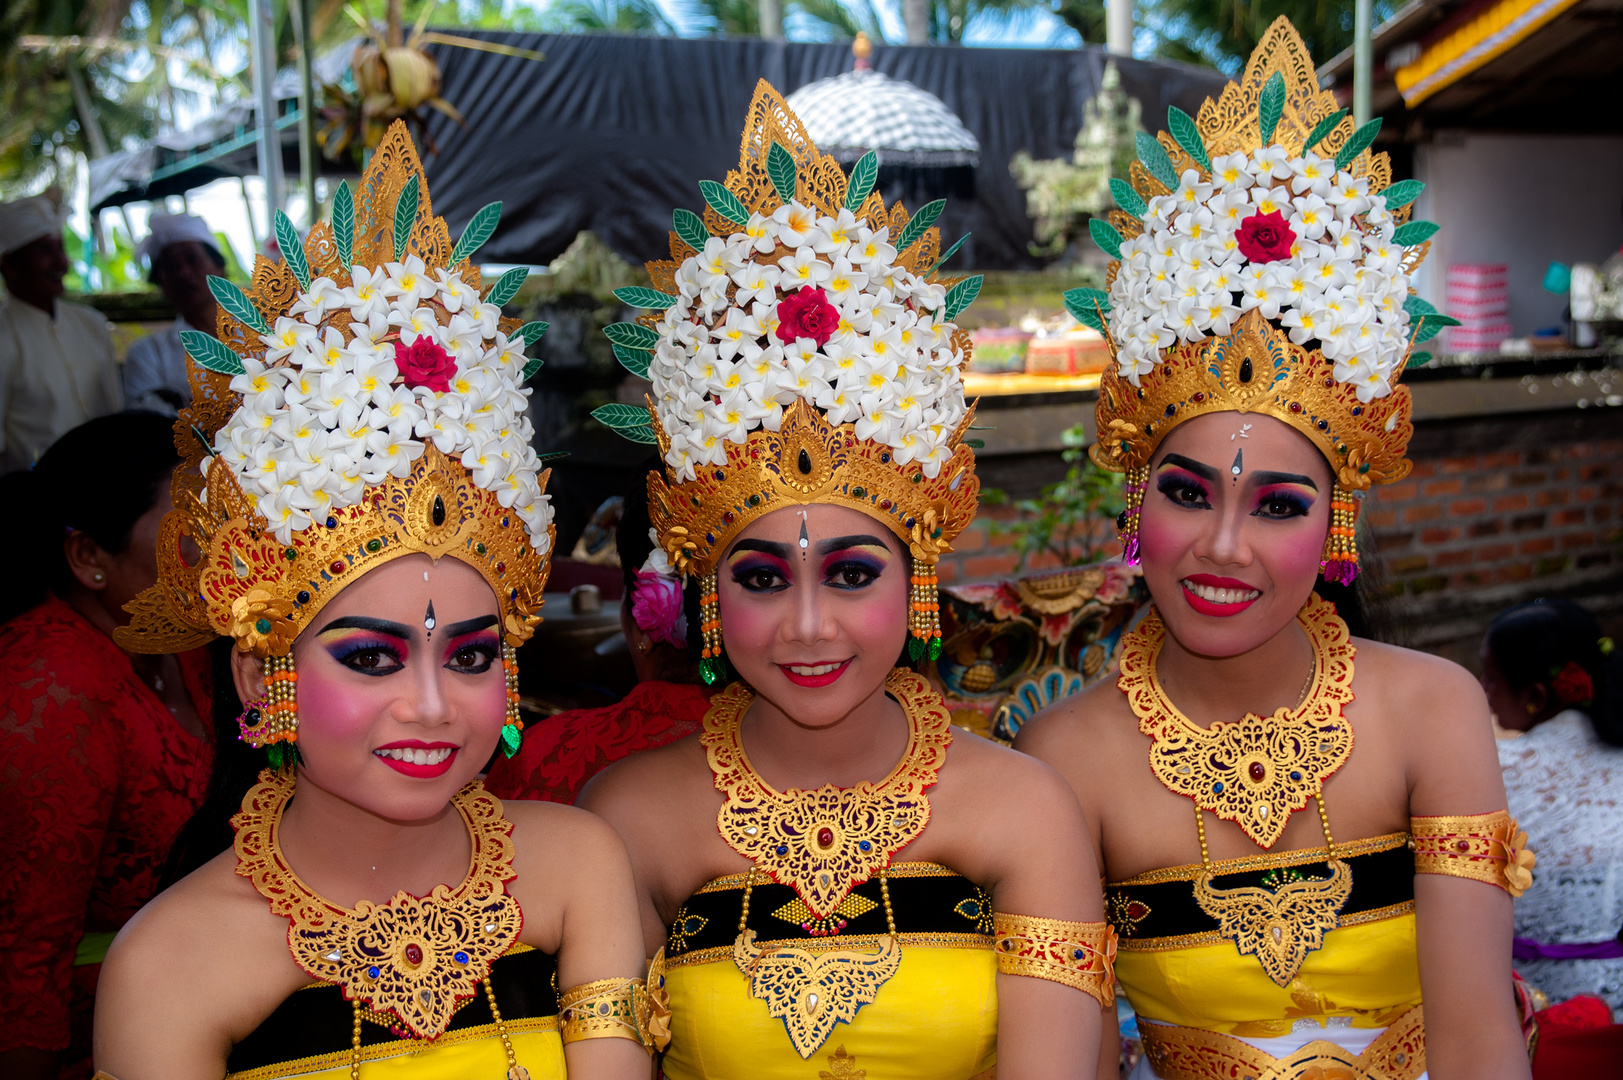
(1168,908)
(939,904)
(317,1020)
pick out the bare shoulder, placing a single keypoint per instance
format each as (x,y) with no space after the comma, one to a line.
(636,786)
(1076,724)
(548,836)
(1408,685)
(194,971)
(1019,782)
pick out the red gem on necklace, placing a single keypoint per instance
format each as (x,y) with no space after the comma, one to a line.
(414,954)
(1257,772)
(825,837)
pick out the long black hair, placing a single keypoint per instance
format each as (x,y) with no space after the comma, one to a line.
(1532,643)
(71,489)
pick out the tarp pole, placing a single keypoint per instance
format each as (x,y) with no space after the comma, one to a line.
(1119,27)
(1363,60)
(916,17)
(308,163)
(771,19)
(262,47)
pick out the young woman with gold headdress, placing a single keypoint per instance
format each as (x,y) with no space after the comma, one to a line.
(832,881)
(1261,314)
(374,536)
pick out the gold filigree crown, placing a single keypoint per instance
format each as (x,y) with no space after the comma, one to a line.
(864,410)
(1305,315)
(372,368)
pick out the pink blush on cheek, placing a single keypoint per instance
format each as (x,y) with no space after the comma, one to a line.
(333,709)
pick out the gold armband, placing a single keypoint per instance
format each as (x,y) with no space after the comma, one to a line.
(607,1009)
(1078,954)
(1482,847)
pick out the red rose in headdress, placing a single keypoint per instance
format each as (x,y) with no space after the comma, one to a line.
(807,314)
(424,363)
(1265,238)
(1573,685)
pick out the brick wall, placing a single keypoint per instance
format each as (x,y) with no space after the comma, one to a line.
(1498,510)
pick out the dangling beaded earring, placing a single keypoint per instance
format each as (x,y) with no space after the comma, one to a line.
(712,665)
(272,722)
(924,613)
(513,729)
(1138,479)
(1340,562)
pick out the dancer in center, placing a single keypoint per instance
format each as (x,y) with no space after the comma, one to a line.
(834,882)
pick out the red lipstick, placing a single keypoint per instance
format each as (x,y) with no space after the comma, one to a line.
(824,679)
(406,765)
(1213,607)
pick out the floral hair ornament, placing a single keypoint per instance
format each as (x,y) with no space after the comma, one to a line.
(1572,685)
(802,350)
(656,600)
(1262,265)
(364,401)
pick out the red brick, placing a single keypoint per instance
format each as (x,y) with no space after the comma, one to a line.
(1577,540)
(1506,503)
(1507,459)
(1494,481)
(1402,491)
(1599,471)
(984,567)
(1461,464)
(1424,512)
(1528,522)
(1380,519)
(1494,552)
(1554,497)
(1568,517)
(1423,468)
(1528,478)
(1394,541)
(1472,579)
(1516,572)
(1451,558)
(946,572)
(1407,564)
(1451,486)
(1468,507)
(971,539)
(1439,536)
(1541,546)
(1583,494)
(1490,527)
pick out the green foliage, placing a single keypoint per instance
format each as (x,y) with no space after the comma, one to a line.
(113,270)
(1087,306)
(1183,129)
(780,169)
(343,222)
(507,286)
(1271,106)
(918,224)
(1402,193)
(1222,33)
(1357,143)
(860,184)
(480,228)
(962,294)
(1154,157)
(632,336)
(1411,233)
(1072,520)
(1324,127)
(647,299)
(405,215)
(1105,235)
(690,227)
(610,17)
(724,202)
(210,353)
(292,248)
(1060,194)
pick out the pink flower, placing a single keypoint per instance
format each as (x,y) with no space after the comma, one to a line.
(656,605)
(807,314)
(1265,238)
(423,363)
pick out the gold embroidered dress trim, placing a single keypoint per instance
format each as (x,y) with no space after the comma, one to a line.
(824,841)
(1185,1053)
(1078,954)
(1268,860)
(607,1009)
(1482,847)
(412,958)
(1255,771)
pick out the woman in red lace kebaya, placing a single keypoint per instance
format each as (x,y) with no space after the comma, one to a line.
(668,703)
(105,755)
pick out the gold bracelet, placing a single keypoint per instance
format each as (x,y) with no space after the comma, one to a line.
(1079,954)
(1482,847)
(634,1009)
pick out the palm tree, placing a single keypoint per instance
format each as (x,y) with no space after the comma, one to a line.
(1223,33)
(611,16)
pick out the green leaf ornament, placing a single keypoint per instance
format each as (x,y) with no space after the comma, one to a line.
(1411,233)
(724,202)
(962,294)
(1357,143)
(916,226)
(343,223)
(1323,128)
(507,286)
(1154,157)
(237,304)
(631,335)
(1184,130)
(405,216)
(635,361)
(690,229)
(1105,235)
(287,239)
(780,169)
(210,353)
(1088,307)
(480,229)
(1271,106)
(648,299)
(1402,193)
(863,175)
(1127,200)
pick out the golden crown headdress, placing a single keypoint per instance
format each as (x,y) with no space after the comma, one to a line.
(802,350)
(364,401)
(1252,274)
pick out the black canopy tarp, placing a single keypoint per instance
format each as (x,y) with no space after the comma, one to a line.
(611,133)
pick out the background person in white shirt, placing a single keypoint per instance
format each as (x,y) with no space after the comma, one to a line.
(57,368)
(181,253)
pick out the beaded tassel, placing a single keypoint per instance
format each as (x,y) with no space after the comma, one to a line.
(712,665)
(1340,564)
(274,720)
(924,614)
(513,729)
(1138,478)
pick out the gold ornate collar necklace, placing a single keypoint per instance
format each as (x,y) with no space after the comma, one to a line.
(413,958)
(823,842)
(1255,771)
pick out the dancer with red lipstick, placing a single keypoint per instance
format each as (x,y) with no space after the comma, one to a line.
(1264,938)
(358,477)
(830,881)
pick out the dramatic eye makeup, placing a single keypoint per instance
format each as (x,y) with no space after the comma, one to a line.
(472,645)
(366,646)
(853,562)
(1283,501)
(1183,488)
(759,565)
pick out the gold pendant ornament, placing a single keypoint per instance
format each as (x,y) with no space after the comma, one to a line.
(414,958)
(1255,771)
(811,992)
(1280,926)
(826,841)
